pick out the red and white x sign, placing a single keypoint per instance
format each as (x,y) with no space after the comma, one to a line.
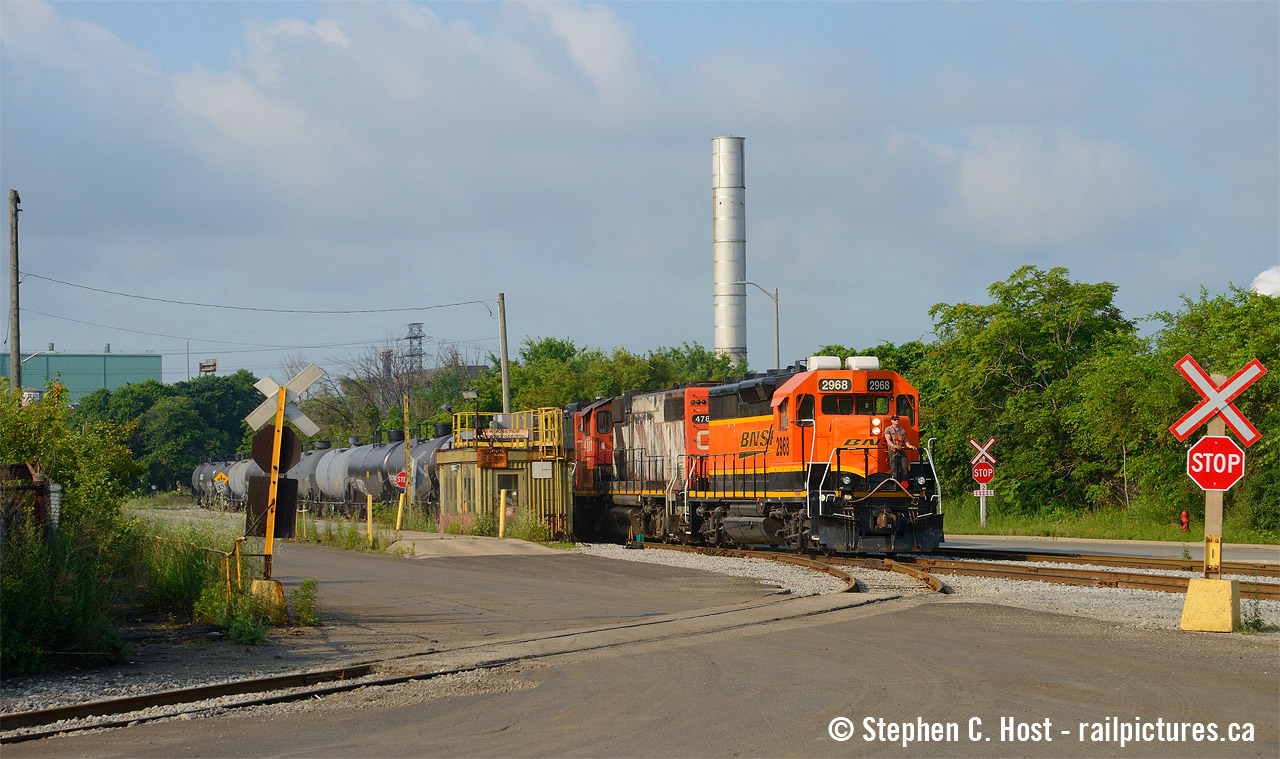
(1217,400)
(983,451)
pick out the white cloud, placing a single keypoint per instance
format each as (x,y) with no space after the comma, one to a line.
(1047,189)
(1268,282)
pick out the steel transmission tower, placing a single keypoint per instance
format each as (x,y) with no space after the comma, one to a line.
(414,354)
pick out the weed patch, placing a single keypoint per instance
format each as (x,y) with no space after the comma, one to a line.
(306,608)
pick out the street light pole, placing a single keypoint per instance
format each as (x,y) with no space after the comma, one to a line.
(777,357)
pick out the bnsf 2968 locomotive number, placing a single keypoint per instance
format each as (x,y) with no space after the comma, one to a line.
(840,385)
(879,386)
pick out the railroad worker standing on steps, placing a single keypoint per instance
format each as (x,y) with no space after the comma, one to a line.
(895,438)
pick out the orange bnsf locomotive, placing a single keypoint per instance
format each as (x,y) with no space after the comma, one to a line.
(792,458)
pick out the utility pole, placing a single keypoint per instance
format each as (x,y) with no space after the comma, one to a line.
(15,347)
(502,338)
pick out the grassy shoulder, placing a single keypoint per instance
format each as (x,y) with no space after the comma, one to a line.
(1140,522)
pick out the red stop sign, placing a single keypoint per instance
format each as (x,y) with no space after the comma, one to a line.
(983,472)
(1215,463)
(402,479)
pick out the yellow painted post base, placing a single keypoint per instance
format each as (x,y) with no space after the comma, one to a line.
(270,595)
(1212,606)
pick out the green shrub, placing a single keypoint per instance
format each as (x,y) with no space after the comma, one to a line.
(306,609)
(485,524)
(529,527)
(241,616)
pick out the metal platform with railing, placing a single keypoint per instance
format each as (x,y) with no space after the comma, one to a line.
(540,430)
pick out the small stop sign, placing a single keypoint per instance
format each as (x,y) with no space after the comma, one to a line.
(402,479)
(1215,463)
(983,472)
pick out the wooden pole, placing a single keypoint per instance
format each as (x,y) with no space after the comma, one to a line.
(502,341)
(15,334)
(275,483)
(1213,502)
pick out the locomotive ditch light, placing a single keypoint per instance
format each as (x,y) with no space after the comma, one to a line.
(920,481)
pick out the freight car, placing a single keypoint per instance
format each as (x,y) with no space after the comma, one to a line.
(792,458)
(335,477)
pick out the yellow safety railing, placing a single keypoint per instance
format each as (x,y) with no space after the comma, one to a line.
(541,430)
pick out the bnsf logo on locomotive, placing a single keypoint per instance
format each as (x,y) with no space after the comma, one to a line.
(758,439)
(836,385)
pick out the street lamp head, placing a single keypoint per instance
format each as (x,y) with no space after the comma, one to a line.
(470,395)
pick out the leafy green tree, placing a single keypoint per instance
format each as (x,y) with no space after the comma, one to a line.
(221,403)
(172,438)
(1007,369)
(693,363)
(130,402)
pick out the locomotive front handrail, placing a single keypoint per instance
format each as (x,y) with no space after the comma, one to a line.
(835,455)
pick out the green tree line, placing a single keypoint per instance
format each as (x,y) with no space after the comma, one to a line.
(174,427)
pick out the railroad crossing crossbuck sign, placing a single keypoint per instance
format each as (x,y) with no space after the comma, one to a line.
(279,406)
(292,389)
(983,451)
(1217,400)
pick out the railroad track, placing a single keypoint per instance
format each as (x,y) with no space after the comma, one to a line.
(1098,578)
(828,565)
(1251,568)
(924,568)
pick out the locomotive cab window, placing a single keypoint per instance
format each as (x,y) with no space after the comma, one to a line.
(782,414)
(871,405)
(837,405)
(804,409)
(604,422)
(907,408)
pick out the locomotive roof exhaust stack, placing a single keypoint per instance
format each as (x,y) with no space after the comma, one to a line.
(729,246)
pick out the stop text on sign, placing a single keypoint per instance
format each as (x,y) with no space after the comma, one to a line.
(1215,463)
(983,473)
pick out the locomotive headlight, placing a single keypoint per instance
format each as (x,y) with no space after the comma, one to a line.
(920,481)
(846,480)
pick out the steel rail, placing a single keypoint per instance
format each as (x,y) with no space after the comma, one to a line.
(246,686)
(169,698)
(1257,568)
(851,583)
(1102,578)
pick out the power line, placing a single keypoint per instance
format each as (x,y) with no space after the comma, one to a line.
(257,347)
(484,303)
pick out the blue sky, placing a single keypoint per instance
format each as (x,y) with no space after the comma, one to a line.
(360,156)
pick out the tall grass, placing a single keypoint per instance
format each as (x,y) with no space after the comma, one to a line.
(58,591)
(1144,520)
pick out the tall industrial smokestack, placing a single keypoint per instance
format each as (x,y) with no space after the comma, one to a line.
(729,245)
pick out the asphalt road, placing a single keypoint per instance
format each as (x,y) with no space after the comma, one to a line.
(751,685)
